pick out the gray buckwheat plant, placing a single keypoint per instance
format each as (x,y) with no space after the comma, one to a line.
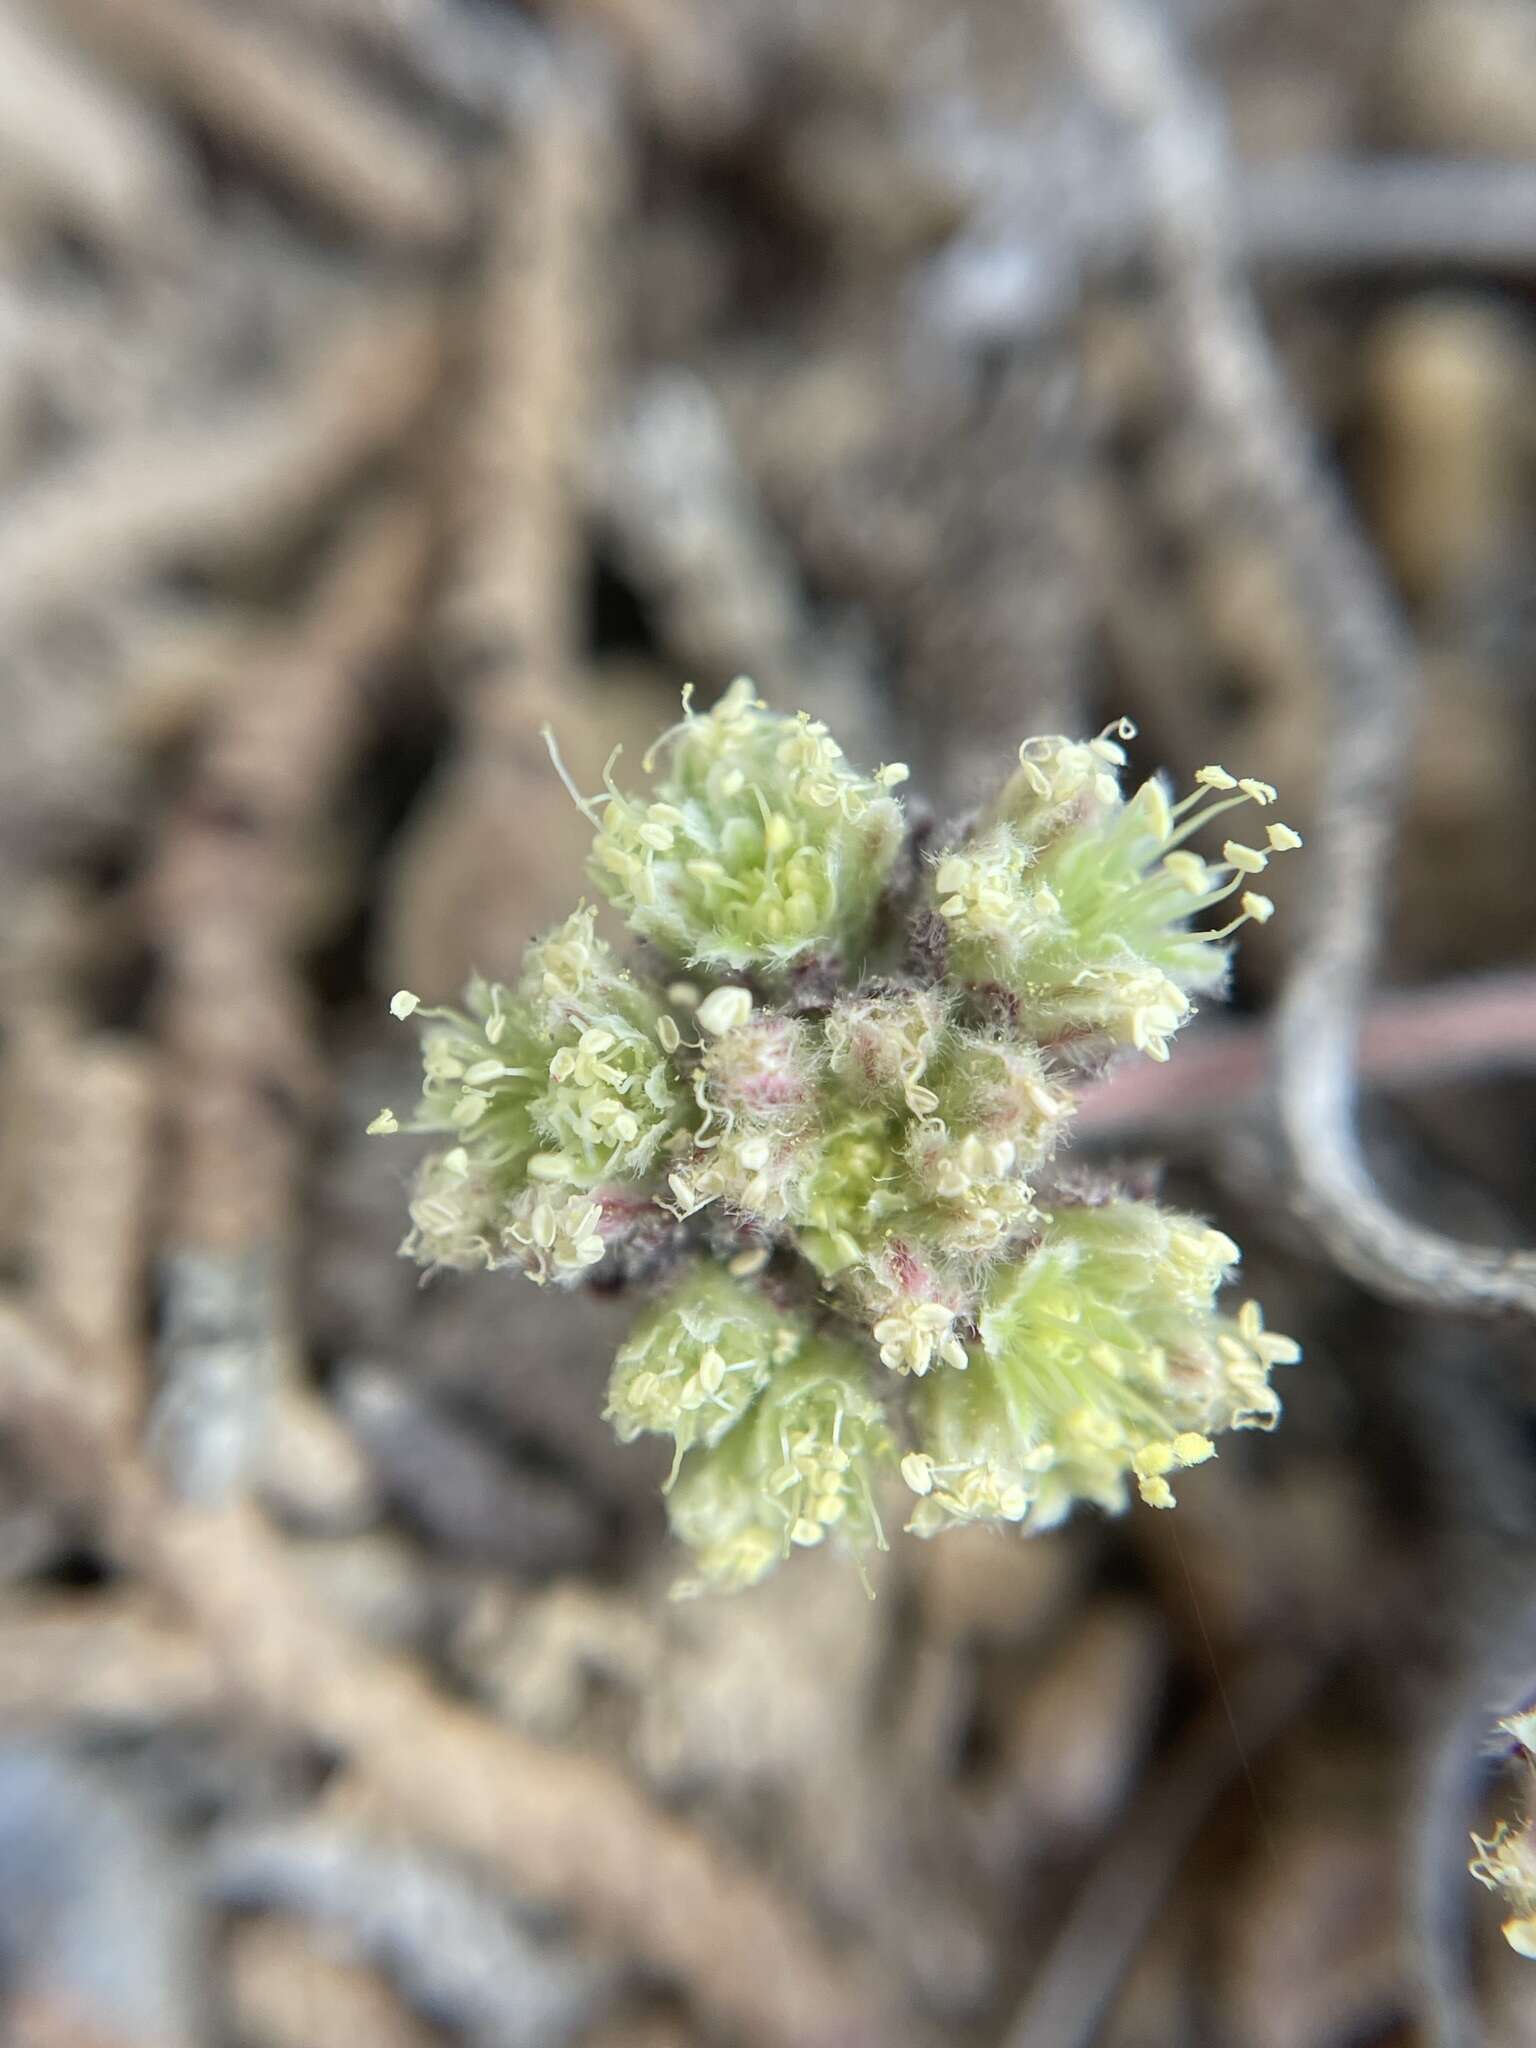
(819,1122)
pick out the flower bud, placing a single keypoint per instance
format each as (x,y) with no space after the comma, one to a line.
(757,1087)
(851,1193)
(977,1461)
(760,845)
(481,1068)
(763,1074)
(799,1467)
(995,904)
(914,1335)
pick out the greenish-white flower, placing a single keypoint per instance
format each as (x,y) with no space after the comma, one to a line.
(800,1467)
(696,1359)
(1102,1359)
(759,844)
(1078,902)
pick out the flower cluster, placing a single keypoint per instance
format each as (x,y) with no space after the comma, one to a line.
(822,1137)
(804,1463)
(759,845)
(1075,900)
(696,1360)
(557,1096)
(1102,1359)
(1506,1862)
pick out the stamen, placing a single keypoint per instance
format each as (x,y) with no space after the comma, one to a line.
(585,804)
(1194,821)
(1257,908)
(648,759)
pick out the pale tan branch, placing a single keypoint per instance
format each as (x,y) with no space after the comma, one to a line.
(280,96)
(557,1829)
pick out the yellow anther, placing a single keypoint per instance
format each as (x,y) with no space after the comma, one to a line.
(917,1471)
(1153,799)
(1246,859)
(1189,871)
(548,1166)
(724,1010)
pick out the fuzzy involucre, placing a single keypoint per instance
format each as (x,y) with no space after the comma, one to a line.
(817,1137)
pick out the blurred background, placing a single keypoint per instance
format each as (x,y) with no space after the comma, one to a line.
(380,379)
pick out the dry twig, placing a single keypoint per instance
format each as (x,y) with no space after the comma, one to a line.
(689,69)
(279,95)
(89,1211)
(1072,1991)
(117,1659)
(223,486)
(289,1990)
(694,536)
(560,1830)
(1260,467)
(452,1946)
(489,855)
(76,142)
(1465,1030)
(227,898)
(1339,214)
